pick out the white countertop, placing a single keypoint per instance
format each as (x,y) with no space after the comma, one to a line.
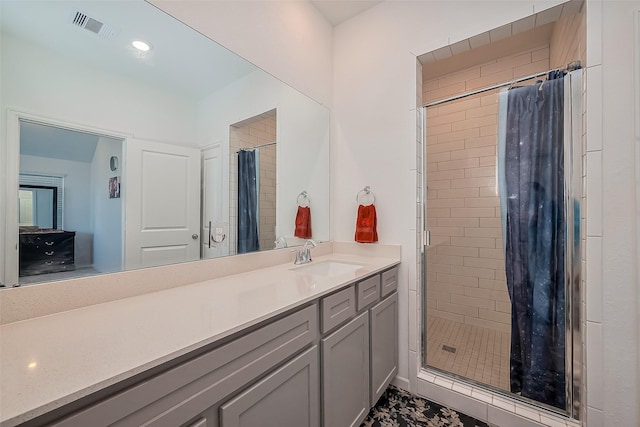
(49,361)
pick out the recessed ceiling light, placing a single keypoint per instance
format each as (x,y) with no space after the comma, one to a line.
(141,46)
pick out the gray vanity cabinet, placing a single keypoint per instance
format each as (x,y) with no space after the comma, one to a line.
(345,374)
(359,359)
(326,363)
(384,345)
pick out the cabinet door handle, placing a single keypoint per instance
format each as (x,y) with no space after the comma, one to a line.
(199,423)
(48,253)
(49,243)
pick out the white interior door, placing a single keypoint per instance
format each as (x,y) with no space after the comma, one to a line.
(215,210)
(161,187)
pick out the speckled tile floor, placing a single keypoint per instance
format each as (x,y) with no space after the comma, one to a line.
(398,408)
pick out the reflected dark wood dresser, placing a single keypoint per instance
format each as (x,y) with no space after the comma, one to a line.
(46,251)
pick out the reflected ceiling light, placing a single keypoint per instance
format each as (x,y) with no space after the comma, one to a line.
(32,365)
(141,46)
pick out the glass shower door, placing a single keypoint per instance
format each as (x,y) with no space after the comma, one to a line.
(468,310)
(502,264)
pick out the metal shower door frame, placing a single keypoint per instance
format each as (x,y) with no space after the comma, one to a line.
(574,234)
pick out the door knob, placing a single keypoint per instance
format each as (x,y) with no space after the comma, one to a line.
(194,236)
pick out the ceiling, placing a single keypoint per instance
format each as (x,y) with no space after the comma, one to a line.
(56,143)
(526,33)
(338,11)
(182,60)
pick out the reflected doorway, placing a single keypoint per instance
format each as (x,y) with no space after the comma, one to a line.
(253,153)
(70,223)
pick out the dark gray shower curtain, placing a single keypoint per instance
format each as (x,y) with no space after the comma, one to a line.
(248,239)
(535,239)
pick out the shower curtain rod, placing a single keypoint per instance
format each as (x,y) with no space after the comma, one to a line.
(570,67)
(257,146)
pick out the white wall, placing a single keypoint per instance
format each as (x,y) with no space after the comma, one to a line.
(373,141)
(289,39)
(613,366)
(107,213)
(43,200)
(302,137)
(77,210)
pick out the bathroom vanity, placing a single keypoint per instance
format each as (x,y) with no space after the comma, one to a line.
(276,346)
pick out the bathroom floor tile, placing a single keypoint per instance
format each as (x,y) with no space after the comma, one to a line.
(472,352)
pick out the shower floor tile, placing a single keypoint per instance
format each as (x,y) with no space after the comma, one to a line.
(472,352)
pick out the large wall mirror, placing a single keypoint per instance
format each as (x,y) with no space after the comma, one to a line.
(122,157)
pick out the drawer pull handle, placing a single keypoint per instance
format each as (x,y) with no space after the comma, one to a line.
(199,423)
(49,243)
(49,253)
(48,262)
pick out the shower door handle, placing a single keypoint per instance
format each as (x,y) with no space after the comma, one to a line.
(426,237)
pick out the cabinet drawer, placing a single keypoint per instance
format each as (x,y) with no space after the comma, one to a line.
(202,422)
(337,308)
(389,281)
(368,291)
(173,397)
(45,266)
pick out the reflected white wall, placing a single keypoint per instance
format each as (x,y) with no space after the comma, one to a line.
(302,138)
(107,213)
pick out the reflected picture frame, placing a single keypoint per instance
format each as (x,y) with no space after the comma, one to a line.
(114,187)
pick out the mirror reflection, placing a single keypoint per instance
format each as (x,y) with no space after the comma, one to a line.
(37,206)
(134,158)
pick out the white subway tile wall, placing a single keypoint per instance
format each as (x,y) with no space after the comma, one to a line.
(465,264)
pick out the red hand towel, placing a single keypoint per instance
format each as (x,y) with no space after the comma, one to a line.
(366,224)
(303,222)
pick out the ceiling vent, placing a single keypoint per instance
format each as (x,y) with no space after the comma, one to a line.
(83,20)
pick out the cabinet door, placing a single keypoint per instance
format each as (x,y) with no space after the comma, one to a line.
(288,397)
(384,345)
(345,374)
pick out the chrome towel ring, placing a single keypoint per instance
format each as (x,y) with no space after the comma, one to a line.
(365,192)
(303,199)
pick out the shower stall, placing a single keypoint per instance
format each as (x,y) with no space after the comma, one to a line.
(502,167)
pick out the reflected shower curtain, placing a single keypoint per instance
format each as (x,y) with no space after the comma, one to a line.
(531,177)
(248,239)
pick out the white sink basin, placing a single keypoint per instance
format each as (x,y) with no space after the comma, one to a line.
(327,268)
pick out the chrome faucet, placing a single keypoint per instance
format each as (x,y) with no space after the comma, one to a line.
(280,242)
(303,256)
